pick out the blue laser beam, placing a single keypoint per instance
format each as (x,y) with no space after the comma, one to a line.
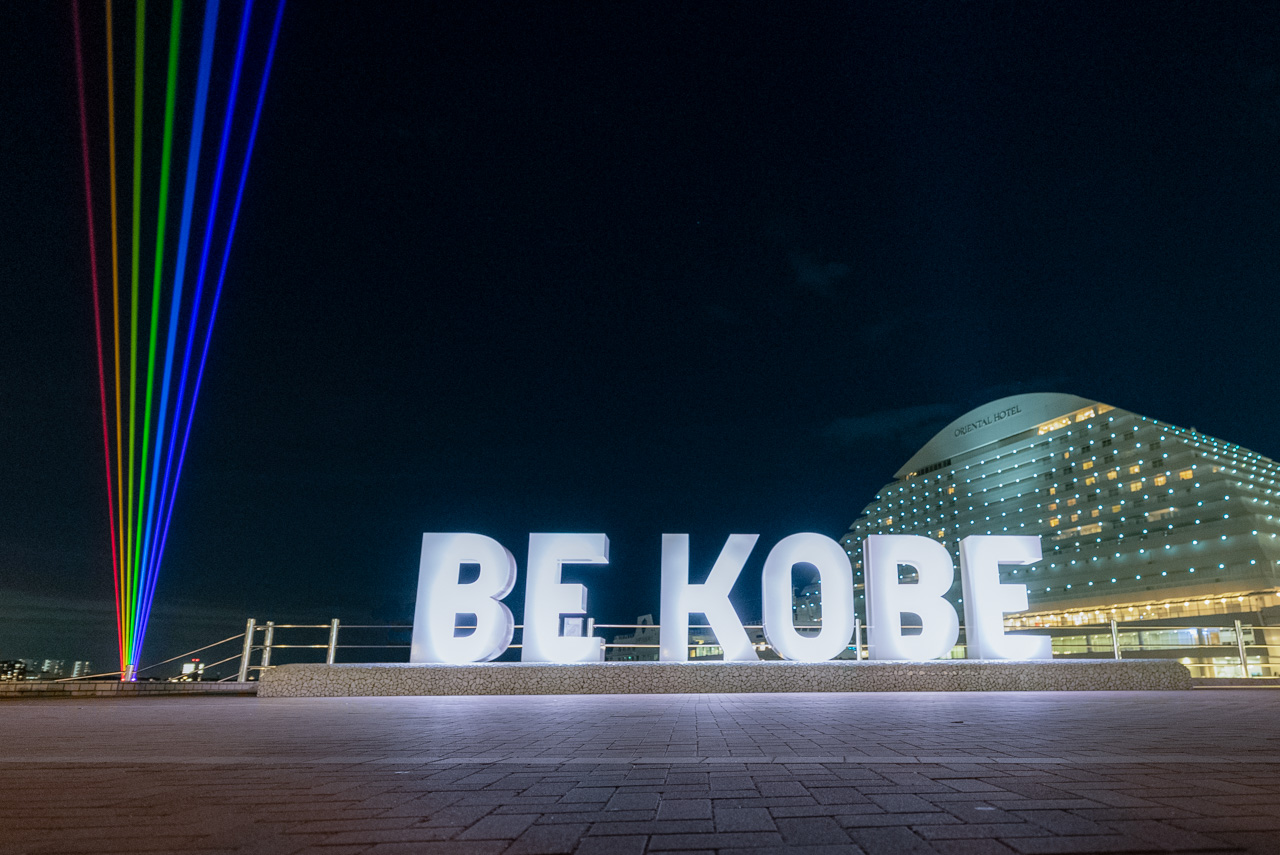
(222,273)
(180,267)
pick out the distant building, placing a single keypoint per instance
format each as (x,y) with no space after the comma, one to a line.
(806,608)
(1139,520)
(192,672)
(13,669)
(44,669)
(1138,517)
(642,645)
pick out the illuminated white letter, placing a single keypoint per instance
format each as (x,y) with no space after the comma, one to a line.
(546,598)
(888,598)
(836,577)
(987,599)
(711,598)
(442,598)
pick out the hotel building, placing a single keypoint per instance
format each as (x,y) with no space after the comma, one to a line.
(1139,519)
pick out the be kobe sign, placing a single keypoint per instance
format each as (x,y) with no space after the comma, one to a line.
(443,598)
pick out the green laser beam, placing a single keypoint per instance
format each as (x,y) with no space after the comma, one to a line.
(171,87)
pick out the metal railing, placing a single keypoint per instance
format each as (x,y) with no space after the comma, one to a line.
(1212,651)
(1239,650)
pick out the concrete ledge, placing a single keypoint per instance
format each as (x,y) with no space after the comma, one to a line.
(514,678)
(117,689)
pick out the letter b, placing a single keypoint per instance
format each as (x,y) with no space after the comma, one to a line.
(442,597)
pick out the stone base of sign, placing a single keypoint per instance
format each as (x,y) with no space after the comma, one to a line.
(629,678)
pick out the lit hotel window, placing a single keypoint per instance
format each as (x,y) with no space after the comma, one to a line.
(1053,425)
(1134,470)
(1053,506)
(1160,480)
(1053,523)
(1094,512)
(1075,517)
(1071,501)
(1135,486)
(1186,475)
(1090,481)
(1115,509)
(1088,464)
(1113,474)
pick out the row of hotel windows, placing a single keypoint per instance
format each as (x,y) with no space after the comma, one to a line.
(1089,412)
(1114,580)
(1078,416)
(1133,487)
(1112,475)
(1228,604)
(1082,530)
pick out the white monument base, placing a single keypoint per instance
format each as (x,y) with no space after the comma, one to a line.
(630,678)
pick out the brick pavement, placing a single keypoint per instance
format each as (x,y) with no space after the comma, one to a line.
(957,774)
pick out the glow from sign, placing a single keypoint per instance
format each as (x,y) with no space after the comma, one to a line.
(546,598)
(556,629)
(443,598)
(836,577)
(711,599)
(888,598)
(987,599)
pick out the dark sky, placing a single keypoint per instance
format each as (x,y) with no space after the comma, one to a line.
(637,268)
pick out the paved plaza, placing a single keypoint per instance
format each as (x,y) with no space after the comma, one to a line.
(958,774)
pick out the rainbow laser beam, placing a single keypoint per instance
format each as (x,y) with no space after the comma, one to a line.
(140,492)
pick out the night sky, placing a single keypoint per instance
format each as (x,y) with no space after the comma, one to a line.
(637,268)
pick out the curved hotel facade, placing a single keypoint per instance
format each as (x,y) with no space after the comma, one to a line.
(1139,519)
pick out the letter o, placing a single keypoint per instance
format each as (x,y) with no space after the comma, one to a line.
(836,576)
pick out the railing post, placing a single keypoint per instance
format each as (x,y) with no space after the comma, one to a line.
(1115,640)
(266,644)
(333,642)
(249,628)
(1244,659)
(591,627)
(857,639)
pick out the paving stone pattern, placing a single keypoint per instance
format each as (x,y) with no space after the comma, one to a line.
(528,678)
(958,774)
(117,689)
